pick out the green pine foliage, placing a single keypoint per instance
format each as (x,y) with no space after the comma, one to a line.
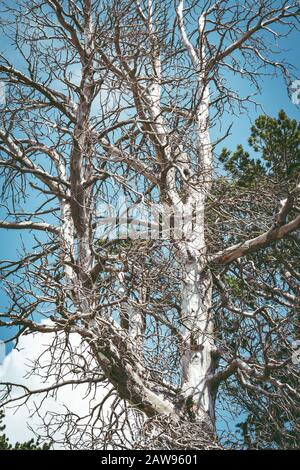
(276,141)
(252,183)
(29,445)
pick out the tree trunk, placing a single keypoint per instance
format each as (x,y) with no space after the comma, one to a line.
(197,361)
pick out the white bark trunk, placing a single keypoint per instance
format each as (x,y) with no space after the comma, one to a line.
(196,293)
(67,227)
(197,363)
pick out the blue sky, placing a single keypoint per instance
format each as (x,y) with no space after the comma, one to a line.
(273,97)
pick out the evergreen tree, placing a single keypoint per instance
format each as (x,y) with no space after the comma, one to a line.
(29,445)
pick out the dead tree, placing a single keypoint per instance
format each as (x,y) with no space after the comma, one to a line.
(116,99)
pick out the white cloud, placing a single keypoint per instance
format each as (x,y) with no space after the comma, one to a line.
(15,368)
(78,400)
